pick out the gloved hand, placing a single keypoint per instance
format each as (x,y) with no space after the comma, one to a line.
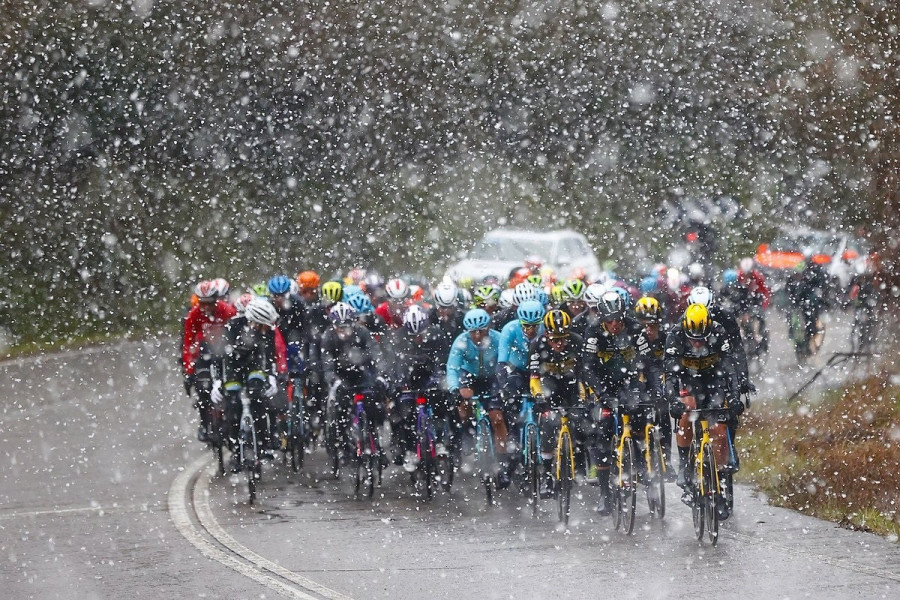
(273,387)
(676,409)
(736,407)
(746,388)
(216,394)
(188,383)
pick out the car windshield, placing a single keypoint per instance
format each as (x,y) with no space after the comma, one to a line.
(512,250)
(817,242)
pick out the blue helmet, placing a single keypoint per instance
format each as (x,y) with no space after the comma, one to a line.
(278,285)
(649,285)
(351,290)
(477,318)
(360,303)
(729,277)
(623,293)
(543,297)
(530,312)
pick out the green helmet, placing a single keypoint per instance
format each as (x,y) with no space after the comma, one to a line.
(333,290)
(260,289)
(573,289)
(486,295)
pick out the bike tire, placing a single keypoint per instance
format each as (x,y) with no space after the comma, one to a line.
(533,468)
(698,512)
(656,489)
(371,474)
(485,453)
(217,437)
(727,480)
(614,495)
(711,496)
(628,487)
(564,485)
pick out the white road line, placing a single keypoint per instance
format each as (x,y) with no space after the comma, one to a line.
(63,511)
(208,521)
(178,511)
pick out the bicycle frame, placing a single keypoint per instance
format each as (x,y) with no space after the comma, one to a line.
(425,424)
(365,437)
(529,423)
(705,440)
(564,431)
(620,450)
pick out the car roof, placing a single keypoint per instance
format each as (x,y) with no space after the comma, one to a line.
(555,234)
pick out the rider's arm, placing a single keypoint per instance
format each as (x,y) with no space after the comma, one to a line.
(191,341)
(281,365)
(455,362)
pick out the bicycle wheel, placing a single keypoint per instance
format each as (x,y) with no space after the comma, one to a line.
(295,434)
(484,452)
(710,495)
(564,485)
(656,489)
(217,436)
(359,455)
(727,481)
(697,501)
(445,462)
(628,486)
(333,440)
(532,467)
(614,495)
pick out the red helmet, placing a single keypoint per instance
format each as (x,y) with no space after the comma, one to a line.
(207,291)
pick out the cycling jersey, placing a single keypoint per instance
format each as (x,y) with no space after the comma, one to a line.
(514,345)
(201,327)
(609,360)
(556,374)
(479,361)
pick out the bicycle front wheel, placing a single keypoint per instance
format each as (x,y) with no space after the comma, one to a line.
(627,486)
(698,512)
(564,484)
(656,490)
(710,495)
(532,468)
(485,458)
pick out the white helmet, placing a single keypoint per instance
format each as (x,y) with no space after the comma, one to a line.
(222,287)
(524,292)
(415,319)
(594,293)
(240,305)
(260,310)
(507,298)
(207,291)
(446,295)
(701,295)
(397,289)
(746,265)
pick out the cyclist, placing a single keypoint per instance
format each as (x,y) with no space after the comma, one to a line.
(292,322)
(251,364)
(573,295)
(203,346)
(610,371)
(651,345)
(703,295)
(471,371)
(807,291)
(700,361)
(349,359)
(555,380)
(365,314)
(415,367)
(513,354)
(447,315)
(392,309)
(755,282)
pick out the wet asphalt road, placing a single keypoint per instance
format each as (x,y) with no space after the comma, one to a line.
(92,441)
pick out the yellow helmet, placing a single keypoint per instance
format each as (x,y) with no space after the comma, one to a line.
(333,290)
(557,323)
(696,322)
(648,309)
(557,297)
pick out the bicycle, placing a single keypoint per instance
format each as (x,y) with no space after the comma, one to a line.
(807,337)
(213,413)
(623,486)
(295,430)
(366,444)
(485,455)
(249,446)
(706,487)
(530,444)
(425,476)
(652,471)
(564,466)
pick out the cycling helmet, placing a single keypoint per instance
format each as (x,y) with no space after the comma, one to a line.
(573,289)
(308,280)
(486,295)
(648,309)
(259,310)
(696,322)
(649,284)
(506,298)
(543,297)
(535,280)
(355,276)
(351,290)
(477,318)
(416,293)
(593,293)
(206,291)
(746,265)
(361,303)
(446,295)
(611,306)
(557,297)
(341,313)
(465,297)
(222,287)
(530,313)
(260,289)
(701,295)
(490,280)
(241,304)
(415,319)
(557,322)
(333,290)
(397,289)
(524,292)
(729,277)
(623,294)
(278,285)
(373,281)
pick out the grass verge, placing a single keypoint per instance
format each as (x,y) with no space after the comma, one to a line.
(838,459)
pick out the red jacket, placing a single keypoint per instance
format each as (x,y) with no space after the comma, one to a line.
(756,283)
(198,326)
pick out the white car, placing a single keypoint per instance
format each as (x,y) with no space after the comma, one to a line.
(502,250)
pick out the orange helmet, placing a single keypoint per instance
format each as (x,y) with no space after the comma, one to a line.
(195,300)
(308,280)
(417,294)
